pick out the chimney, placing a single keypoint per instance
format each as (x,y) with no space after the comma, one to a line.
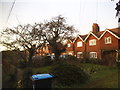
(95,28)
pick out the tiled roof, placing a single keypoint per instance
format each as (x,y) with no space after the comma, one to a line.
(99,34)
(72,39)
(83,36)
(116,31)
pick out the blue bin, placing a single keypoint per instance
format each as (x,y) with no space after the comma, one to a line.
(42,81)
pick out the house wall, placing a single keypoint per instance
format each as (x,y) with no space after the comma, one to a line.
(108,51)
(112,46)
(100,45)
(43,51)
(100,48)
(79,49)
(95,48)
(70,49)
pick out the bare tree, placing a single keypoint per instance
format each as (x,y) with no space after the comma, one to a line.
(55,32)
(32,37)
(27,37)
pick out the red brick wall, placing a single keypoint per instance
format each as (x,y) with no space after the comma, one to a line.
(95,48)
(113,45)
(100,45)
(79,49)
(69,48)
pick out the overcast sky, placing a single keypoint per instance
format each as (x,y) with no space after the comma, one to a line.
(80,13)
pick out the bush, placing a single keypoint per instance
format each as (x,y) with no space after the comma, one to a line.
(22,64)
(27,83)
(41,61)
(92,68)
(9,77)
(46,60)
(67,74)
(93,61)
(69,59)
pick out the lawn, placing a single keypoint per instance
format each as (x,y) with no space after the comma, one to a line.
(101,76)
(107,78)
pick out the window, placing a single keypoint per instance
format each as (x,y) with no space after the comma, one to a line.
(43,48)
(108,40)
(68,45)
(47,48)
(93,55)
(79,44)
(92,42)
(79,55)
(70,53)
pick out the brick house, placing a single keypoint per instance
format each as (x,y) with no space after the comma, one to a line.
(44,50)
(92,43)
(92,46)
(110,45)
(70,47)
(79,46)
(103,45)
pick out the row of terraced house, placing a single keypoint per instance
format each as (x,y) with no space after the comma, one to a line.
(101,45)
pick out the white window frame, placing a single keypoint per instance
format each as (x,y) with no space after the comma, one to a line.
(43,48)
(79,44)
(68,45)
(47,48)
(92,42)
(81,56)
(108,40)
(93,54)
(70,53)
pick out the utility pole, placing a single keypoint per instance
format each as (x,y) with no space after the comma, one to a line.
(118,12)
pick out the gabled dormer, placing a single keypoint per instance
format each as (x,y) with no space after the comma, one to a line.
(110,39)
(79,46)
(92,39)
(70,47)
(92,45)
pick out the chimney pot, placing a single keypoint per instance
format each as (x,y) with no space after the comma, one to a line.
(95,28)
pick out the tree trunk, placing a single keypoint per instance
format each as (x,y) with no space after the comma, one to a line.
(56,57)
(31,54)
(57,54)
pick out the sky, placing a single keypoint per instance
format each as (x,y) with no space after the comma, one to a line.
(79,13)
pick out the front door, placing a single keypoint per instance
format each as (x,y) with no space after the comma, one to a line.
(109,57)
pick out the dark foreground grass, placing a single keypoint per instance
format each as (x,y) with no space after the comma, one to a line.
(104,79)
(101,76)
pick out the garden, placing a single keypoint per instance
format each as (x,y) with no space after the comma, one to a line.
(69,73)
(98,76)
